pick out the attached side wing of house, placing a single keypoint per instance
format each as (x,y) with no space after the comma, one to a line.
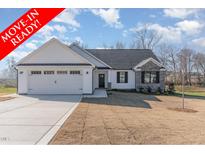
(56,68)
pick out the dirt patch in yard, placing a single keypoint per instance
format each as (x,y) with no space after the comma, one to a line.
(5,98)
(131,118)
(183,110)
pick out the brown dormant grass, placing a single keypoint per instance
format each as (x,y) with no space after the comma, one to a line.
(130,118)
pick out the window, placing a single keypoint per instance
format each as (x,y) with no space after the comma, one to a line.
(74,72)
(62,72)
(35,72)
(122,77)
(48,72)
(150,77)
(21,72)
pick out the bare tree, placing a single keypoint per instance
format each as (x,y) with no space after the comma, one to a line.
(146,38)
(168,57)
(199,64)
(81,44)
(186,63)
(196,64)
(133,45)
(105,46)
(10,71)
(119,45)
(163,52)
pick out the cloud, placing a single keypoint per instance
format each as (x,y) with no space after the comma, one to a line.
(199,41)
(46,31)
(190,26)
(171,34)
(168,33)
(179,13)
(19,54)
(60,29)
(124,33)
(31,45)
(110,16)
(78,39)
(68,17)
(152,16)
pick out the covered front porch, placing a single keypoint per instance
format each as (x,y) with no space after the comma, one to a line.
(101,78)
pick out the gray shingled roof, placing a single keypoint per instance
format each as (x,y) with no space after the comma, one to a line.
(122,58)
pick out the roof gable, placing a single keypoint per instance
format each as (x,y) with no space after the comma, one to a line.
(149,64)
(53,51)
(148,60)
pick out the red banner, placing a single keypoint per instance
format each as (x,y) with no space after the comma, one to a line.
(25,27)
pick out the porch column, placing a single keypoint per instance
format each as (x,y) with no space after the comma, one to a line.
(109,75)
(137,79)
(109,86)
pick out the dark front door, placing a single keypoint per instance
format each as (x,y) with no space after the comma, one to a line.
(101,80)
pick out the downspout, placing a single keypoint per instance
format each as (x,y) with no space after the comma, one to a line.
(17,83)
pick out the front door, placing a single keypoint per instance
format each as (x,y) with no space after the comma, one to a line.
(101,80)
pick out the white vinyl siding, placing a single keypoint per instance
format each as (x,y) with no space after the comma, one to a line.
(130,80)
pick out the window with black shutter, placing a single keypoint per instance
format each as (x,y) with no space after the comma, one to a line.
(126,77)
(142,77)
(118,77)
(157,80)
(150,77)
(122,77)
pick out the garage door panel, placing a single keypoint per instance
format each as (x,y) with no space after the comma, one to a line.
(55,84)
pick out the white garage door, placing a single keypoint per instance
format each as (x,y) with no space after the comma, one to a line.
(55,82)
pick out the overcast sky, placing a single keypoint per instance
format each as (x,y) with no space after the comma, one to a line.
(95,27)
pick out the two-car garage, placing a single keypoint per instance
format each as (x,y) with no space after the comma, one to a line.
(55,82)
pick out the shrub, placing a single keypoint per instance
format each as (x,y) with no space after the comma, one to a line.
(171,88)
(159,90)
(141,89)
(149,89)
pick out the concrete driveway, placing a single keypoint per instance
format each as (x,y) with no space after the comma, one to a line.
(34,119)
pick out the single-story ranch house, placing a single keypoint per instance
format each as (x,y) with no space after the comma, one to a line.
(56,68)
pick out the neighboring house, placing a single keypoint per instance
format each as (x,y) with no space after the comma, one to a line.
(56,68)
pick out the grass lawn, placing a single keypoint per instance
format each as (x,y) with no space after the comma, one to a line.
(7,90)
(191,91)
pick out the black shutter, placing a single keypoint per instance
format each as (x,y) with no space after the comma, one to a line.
(118,77)
(157,78)
(126,77)
(142,77)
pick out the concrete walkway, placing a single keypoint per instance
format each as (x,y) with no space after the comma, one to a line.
(34,119)
(98,93)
